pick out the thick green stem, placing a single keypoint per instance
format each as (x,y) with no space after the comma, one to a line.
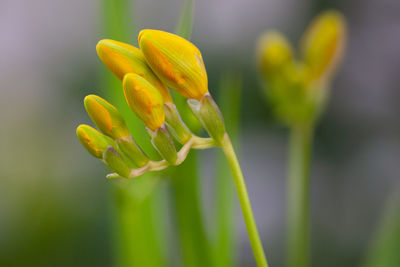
(298,189)
(244,200)
(225,199)
(225,211)
(136,231)
(385,244)
(194,243)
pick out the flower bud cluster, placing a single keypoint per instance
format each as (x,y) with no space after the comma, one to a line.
(163,60)
(297,87)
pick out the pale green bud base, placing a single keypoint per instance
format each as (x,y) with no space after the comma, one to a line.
(115,161)
(207,111)
(131,150)
(163,143)
(175,124)
(194,142)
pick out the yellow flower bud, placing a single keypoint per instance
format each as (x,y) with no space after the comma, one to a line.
(274,51)
(323,43)
(145,100)
(94,142)
(176,61)
(122,58)
(106,117)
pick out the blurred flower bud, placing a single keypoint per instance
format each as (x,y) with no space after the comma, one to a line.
(210,116)
(94,142)
(130,149)
(114,160)
(145,100)
(274,52)
(163,143)
(323,44)
(176,61)
(122,58)
(175,124)
(106,117)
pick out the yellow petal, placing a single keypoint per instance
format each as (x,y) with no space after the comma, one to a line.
(323,43)
(106,117)
(94,142)
(122,58)
(274,52)
(176,61)
(145,100)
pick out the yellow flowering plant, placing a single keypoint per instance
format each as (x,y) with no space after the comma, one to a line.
(297,88)
(162,60)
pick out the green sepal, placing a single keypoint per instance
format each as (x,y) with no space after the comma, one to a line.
(115,161)
(130,149)
(163,143)
(175,124)
(210,116)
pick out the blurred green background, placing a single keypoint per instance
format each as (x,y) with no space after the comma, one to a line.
(54,199)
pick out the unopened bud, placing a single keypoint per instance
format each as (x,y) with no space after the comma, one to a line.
(323,43)
(145,100)
(210,116)
(106,117)
(163,143)
(94,142)
(122,58)
(176,61)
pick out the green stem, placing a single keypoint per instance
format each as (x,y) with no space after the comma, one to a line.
(225,211)
(244,200)
(137,236)
(384,246)
(225,199)
(298,187)
(194,241)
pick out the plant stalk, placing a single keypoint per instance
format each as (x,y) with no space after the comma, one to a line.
(193,237)
(244,200)
(298,198)
(225,199)
(137,241)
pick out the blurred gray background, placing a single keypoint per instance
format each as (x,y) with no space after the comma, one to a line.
(54,198)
